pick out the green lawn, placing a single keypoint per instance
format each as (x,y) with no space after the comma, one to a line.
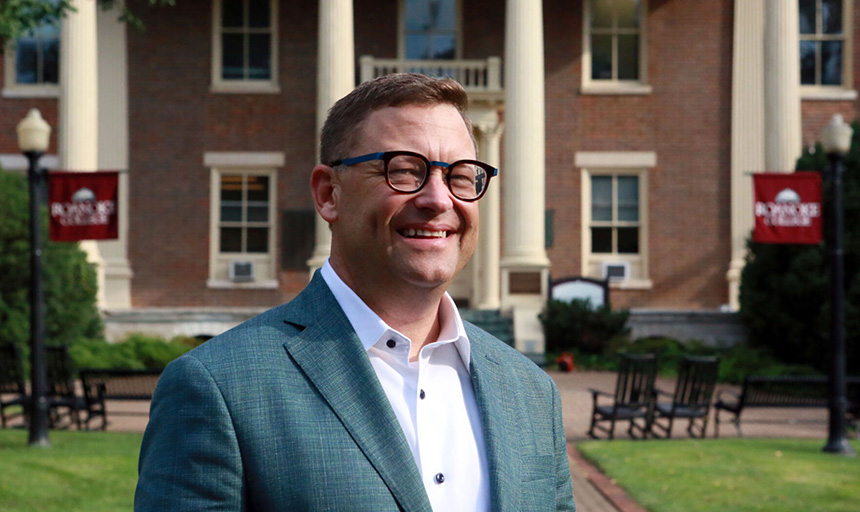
(81,471)
(730,474)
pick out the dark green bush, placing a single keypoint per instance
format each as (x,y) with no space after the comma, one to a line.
(69,281)
(784,294)
(137,351)
(578,326)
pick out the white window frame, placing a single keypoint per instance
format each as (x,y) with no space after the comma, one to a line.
(247,86)
(846,90)
(12,89)
(401,30)
(614,86)
(246,163)
(609,163)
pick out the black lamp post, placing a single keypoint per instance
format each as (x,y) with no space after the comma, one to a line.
(33,137)
(836,139)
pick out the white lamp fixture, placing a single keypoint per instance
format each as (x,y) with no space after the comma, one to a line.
(836,136)
(34,133)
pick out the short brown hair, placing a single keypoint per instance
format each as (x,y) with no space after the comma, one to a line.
(343,123)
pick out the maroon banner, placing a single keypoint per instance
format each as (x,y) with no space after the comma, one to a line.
(83,205)
(787,208)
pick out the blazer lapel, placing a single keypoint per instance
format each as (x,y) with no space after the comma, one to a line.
(332,357)
(496,401)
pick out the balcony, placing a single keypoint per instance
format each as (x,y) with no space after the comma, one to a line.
(482,79)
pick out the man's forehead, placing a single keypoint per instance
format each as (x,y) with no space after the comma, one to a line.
(399,122)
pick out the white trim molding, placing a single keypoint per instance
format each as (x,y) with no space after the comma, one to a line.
(603,159)
(243,159)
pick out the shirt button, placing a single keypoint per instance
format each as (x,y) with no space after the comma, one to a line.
(391,343)
(440,478)
(421,395)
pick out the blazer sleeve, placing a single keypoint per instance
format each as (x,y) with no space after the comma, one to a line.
(563,485)
(190,458)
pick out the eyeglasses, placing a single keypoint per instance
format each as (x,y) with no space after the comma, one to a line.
(407,172)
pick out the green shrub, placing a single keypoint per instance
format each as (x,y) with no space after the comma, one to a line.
(784,294)
(68,280)
(137,351)
(578,326)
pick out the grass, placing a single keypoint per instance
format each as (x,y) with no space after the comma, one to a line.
(81,471)
(730,475)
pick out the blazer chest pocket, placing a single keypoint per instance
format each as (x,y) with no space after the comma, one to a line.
(536,467)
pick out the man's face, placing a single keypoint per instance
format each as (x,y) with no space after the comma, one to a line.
(382,238)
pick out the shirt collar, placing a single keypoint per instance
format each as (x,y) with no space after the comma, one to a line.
(370,328)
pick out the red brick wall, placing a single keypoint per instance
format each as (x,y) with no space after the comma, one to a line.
(174,119)
(685,120)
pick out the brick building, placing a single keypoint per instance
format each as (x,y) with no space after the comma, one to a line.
(625,132)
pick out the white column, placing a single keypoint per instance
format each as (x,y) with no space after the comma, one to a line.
(335,79)
(113,150)
(747,155)
(78,134)
(486,289)
(524,262)
(783,143)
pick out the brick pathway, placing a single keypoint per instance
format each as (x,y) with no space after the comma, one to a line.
(593,492)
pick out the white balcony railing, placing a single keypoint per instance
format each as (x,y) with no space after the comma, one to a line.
(474,75)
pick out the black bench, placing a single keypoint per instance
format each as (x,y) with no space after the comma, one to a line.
(115,384)
(784,391)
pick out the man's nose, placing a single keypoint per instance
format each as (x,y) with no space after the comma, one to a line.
(435,193)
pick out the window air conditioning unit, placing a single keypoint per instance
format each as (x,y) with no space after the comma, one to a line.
(615,270)
(241,271)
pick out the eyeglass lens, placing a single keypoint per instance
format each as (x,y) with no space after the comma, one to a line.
(406,173)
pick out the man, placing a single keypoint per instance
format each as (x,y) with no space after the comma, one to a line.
(367,392)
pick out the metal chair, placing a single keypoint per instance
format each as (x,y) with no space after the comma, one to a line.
(632,400)
(62,392)
(12,381)
(694,390)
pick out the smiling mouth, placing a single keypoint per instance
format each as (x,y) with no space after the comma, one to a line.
(422,233)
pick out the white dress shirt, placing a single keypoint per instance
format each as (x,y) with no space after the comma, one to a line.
(432,399)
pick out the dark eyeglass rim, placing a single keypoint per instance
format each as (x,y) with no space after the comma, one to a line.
(387,156)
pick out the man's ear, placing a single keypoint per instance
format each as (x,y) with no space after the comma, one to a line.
(325,190)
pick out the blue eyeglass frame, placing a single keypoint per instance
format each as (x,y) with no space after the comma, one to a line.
(386,157)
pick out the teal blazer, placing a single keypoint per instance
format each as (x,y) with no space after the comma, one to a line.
(285,412)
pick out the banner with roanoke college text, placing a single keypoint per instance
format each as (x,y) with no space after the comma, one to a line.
(787,208)
(83,205)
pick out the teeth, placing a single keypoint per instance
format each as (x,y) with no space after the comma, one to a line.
(424,233)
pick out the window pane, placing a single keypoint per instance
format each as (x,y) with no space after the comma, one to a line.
(232,56)
(831,63)
(628,240)
(417,47)
(444,15)
(231,13)
(26,61)
(601,14)
(231,198)
(231,240)
(628,57)
(442,47)
(258,198)
(601,57)
(51,61)
(807,16)
(601,240)
(628,198)
(601,198)
(807,62)
(258,13)
(258,240)
(417,15)
(628,13)
(831,16)
(259,56)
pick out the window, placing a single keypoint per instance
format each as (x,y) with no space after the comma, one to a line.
(430,29)
(243,208)
(33,69)
(614,47)
(615,216)
(825,47)
(245,46)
